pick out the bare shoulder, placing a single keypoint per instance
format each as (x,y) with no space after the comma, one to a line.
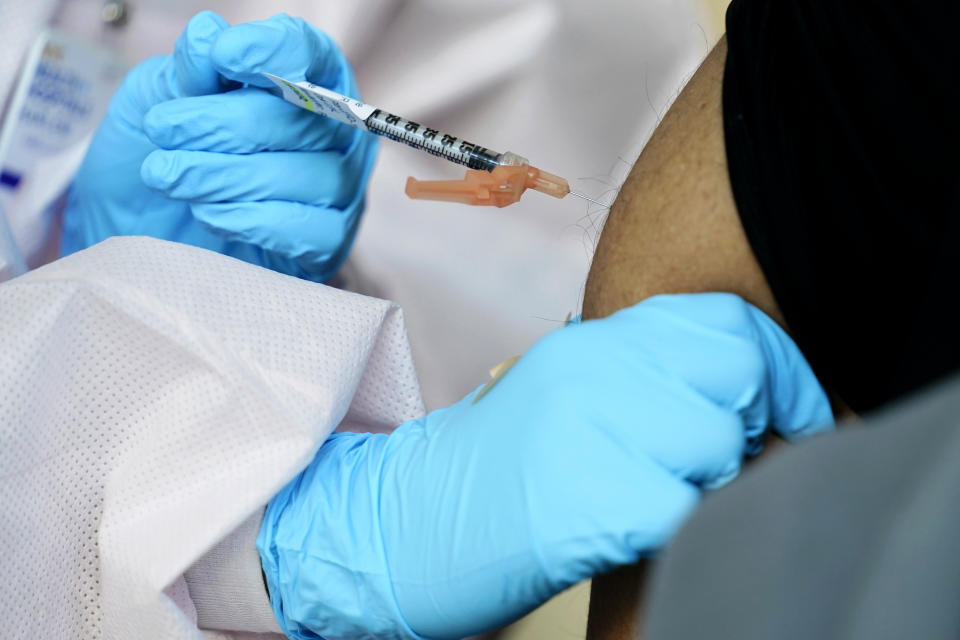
(674,227)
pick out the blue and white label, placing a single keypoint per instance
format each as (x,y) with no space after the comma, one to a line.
(63,91)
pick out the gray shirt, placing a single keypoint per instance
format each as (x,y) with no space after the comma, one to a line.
(851,535)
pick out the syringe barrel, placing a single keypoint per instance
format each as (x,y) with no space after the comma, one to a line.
(364,116)
(433,141)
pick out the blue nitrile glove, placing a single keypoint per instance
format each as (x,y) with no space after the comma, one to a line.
(186,155)
(586,455)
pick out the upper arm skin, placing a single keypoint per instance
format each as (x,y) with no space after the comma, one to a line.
(674,228)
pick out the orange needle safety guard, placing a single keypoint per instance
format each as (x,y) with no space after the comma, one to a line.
(499,187)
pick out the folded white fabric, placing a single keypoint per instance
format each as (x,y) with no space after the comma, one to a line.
(153,396)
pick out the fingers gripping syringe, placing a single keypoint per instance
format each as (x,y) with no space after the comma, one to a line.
(497,179)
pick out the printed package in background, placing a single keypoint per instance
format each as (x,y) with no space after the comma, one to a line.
(62,94)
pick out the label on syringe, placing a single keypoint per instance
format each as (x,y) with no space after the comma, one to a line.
(315,98)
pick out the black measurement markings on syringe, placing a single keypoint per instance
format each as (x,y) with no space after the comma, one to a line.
(468,153)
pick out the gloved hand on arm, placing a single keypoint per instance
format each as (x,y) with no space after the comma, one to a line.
(193,150)
(588,454)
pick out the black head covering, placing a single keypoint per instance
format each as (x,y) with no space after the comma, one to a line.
(841,125)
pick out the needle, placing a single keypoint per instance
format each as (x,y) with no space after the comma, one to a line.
(580,195)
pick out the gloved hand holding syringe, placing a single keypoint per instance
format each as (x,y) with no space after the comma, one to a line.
(497,179)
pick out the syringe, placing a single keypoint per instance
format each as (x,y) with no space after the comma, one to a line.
(493,178)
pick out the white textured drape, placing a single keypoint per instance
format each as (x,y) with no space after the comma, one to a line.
(154,395)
